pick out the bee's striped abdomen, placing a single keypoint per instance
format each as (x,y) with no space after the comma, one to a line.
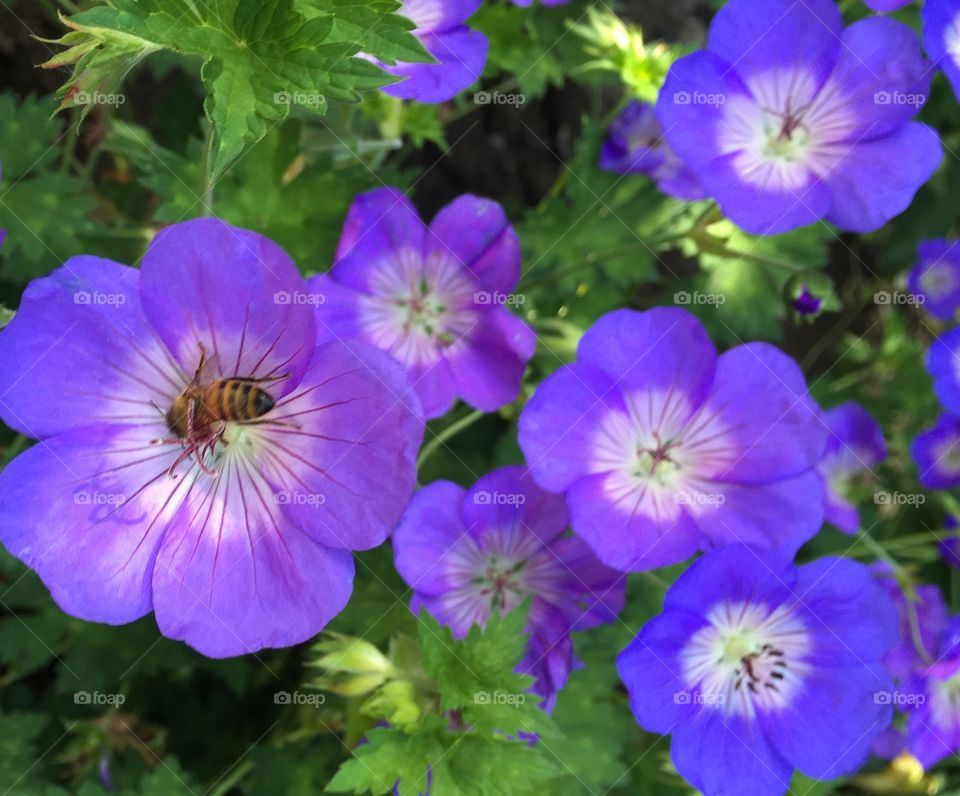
(237,399)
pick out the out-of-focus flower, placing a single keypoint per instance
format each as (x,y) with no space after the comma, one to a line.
(855,445)
(635,145)
(936,453)
(936,277)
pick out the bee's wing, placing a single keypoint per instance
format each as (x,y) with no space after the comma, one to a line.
(208,369)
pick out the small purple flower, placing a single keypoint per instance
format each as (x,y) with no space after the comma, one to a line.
(806,303)
(950,551)
(943,363)
(786,118)
(936,277)
(460,51)
(635,145)
(931,699)
(434,298)
(757,667)
(886,5)
(466,553)
(855,446)
(664,448)
(931,618)
(937,454)
(232,518)
(941,37)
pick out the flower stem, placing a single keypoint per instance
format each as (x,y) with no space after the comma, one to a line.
(449,432)
(904,579)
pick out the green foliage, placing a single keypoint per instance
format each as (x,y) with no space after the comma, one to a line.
(260,58)
(44,209)
(475,746)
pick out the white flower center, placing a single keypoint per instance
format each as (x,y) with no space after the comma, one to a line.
(945,701)
(658,459)
(937,280)
(789,131)
(748,658)
(418,308)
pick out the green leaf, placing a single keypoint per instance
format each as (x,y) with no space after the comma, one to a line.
(260,59)
(44,210)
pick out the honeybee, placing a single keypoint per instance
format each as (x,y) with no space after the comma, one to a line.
(199,415)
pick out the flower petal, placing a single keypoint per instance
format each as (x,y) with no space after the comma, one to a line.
(232,576)
(876,180)
(783,514)
(430,529)
(487,364)
(559,423)
(761,397)
(346,470)
(461,54)
(479,235)
(651,670)
(829,725)
(664,350)
(379,224)
(728,755)
(80,351)
(765,36)
(509,499)
(633,533)
(87,510)
(236,293)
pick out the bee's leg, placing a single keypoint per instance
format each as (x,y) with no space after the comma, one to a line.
(156,406)
(266,421)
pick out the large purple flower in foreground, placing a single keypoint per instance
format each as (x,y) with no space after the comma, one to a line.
(466,553)
(855,445)
(635,145)
(936,453)
(459,51)
(756,668)
(943,362)
(941,37)
(232,518)
(434,298)
(936,277)
(786,118)
(664,448)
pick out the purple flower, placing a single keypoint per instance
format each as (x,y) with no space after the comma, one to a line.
(931,616)
(950,551)
(144,495)
(806,303)
(757,667)
(943,363)
(937,454)
(855,446)
(886,5)
(466,553)
(937,278)
(931,699)
(635,145)
(664,448)
(941,37)
(434,298)
(459,51)
(786,118)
